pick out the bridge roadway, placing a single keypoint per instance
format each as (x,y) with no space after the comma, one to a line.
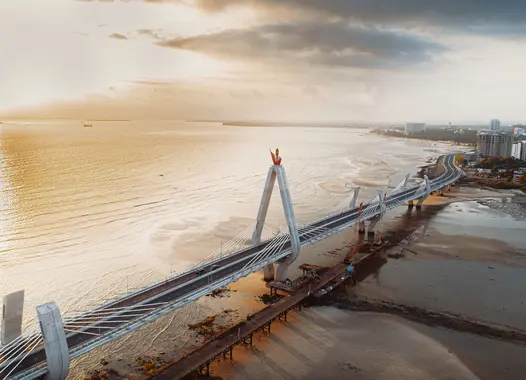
(189,282)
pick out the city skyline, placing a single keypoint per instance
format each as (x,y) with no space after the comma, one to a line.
(263,60)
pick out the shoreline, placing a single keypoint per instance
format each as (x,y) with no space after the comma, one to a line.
(433,318)
(447,142)
(427,315)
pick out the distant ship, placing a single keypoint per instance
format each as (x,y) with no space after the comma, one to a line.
(87,125)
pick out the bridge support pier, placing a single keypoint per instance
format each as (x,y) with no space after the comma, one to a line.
(428,191)
(268,272)
(361,227)
(371,229)
(278,172)
(55,344)
(12,312)
(374,225)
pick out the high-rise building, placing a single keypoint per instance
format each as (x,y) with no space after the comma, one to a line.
(494,125)
(516,150)
(523,151)
(495,144)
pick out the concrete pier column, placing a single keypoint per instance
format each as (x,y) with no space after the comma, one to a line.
(282,271)
(367,228)
(428,191)
(55,344)
(12,312)
(361,227)
(268,272)
(371,228)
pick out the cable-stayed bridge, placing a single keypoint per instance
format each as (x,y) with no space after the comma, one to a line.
(49,347)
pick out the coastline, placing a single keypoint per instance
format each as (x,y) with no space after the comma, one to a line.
(387,293)
(408,304)
(446,142)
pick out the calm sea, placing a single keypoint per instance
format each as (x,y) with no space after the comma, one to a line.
(89,213)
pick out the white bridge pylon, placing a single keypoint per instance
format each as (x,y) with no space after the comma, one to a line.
(402,185)
(277,171)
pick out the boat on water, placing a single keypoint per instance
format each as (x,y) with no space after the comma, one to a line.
(87,125)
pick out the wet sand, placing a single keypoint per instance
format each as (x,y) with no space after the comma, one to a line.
(451,269)
(327,343)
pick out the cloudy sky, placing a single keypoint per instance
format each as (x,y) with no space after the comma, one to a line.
(361,60)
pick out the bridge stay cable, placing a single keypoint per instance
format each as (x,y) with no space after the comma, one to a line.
(19,358)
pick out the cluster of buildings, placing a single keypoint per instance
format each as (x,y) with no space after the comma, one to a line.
(493,142)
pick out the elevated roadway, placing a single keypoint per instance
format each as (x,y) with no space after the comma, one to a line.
(119,317)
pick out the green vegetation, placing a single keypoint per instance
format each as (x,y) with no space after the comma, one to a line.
(467,137)
(495,163)
(459,159)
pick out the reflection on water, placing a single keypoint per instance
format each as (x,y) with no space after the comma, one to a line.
(88,212)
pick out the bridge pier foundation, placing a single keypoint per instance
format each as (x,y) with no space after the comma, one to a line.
(282,272)
(361,227)
(372,230)
(55,344)
(12,312)
(268,272)
(369,228)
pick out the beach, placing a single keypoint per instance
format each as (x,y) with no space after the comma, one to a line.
(452,308)
(153,212)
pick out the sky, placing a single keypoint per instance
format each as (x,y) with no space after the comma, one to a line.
(433,61)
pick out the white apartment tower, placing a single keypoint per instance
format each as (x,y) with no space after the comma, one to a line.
(516,150)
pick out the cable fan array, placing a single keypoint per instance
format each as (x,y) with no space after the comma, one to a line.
(14,353)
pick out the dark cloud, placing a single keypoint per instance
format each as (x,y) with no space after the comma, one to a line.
(482,16)
(118,36)
(334,44)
